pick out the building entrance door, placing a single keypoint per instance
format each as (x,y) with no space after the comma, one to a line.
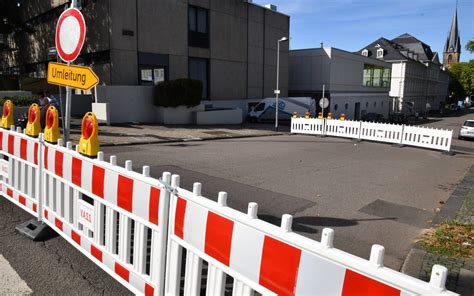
(357,111)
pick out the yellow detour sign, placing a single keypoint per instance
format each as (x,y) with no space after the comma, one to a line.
(73,76)
(51,130)
(7,115)
(89,143)
(33,127)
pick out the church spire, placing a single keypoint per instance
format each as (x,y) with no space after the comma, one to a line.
(452,48)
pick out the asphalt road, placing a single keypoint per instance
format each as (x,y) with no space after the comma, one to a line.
(368,192)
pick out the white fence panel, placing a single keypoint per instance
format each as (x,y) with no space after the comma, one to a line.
(343,128)
(427,137)
(20,170)
(250,255)
(311,126)
(381,132)
(116,217)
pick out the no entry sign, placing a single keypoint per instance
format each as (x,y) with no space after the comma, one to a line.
(70,34)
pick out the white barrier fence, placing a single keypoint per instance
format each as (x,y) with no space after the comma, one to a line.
(142,231)
(417,136)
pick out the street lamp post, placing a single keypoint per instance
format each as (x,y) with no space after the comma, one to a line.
(277,90)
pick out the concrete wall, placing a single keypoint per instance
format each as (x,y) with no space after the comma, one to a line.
(128,103)
(369,103)
(233,116)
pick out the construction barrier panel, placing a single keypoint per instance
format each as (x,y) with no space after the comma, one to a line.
(157,238)
(20,170)
(416,136)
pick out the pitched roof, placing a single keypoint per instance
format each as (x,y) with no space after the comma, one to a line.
(391,49)
(412,44)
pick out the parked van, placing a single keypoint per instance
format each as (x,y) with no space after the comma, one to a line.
(265,109)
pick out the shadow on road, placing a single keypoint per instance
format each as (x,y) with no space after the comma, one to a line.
(307,223)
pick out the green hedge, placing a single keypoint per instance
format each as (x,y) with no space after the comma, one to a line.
(174,93)
(20,101)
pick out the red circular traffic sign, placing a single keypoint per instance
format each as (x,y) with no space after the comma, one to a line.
(70,34)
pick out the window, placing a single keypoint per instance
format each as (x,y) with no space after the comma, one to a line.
(379,53)
(335,107)
(381,103)
(376,76)
(365,53)
(150,75)
(367,105)
(450,59)
(198,27)
(375,104)
(346,106)
(199,70)
(259,107)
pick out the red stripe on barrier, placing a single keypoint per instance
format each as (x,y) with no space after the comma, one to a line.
(279,266)
(11,144)
(218,237)
(76,237)
(36,153)
(22,200)
(58,223)
(35,209)
(23,146)
(46,214)
(149,290)
(9,192)
(125,193)
(45,157)
(357,284)
(98,174)
(96,253)
(76,171)
(154,205)
(179,219)
(122,271)
(58,163)
(1,140)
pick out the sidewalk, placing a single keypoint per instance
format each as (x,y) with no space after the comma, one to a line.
(136,134)
(460,206)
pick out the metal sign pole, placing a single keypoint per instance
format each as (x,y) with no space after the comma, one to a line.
(67,124)
(322,107)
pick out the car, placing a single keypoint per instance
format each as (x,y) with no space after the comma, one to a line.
(398,118)
(467,130)
(373,117)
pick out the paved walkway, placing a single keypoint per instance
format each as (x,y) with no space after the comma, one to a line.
(460,206)
(136,134)
(11,282)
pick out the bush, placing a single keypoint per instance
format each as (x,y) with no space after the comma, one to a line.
(20,101)
(174,93)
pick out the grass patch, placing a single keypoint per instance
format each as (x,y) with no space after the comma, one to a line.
(451,238)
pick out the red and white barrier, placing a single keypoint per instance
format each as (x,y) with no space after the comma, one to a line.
(263,258)
(138,229)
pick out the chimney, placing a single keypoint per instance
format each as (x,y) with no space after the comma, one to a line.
(322,45)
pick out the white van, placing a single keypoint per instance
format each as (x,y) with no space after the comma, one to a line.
(265,109)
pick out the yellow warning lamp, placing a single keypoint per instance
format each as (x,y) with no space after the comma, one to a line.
(89,143)
(329,115)
(295,114)
(342,117)
(51,130)
(7,115)
(320,115)
(306,115)
(33,127)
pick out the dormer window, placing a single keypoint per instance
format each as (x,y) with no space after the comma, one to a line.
(379,53)
(365,53)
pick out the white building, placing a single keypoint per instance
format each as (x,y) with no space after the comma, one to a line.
(419,84)
(354,84)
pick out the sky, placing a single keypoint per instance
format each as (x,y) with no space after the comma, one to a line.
(352,24)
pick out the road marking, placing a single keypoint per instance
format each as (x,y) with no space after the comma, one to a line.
(11,282)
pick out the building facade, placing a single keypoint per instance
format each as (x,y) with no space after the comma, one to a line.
(419,83)
(230,45)
(355,85)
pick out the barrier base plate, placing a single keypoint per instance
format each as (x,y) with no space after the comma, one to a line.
(35,230)
(450,153)
(398,145)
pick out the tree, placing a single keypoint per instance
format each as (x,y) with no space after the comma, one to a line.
(462,79)
(470,46)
